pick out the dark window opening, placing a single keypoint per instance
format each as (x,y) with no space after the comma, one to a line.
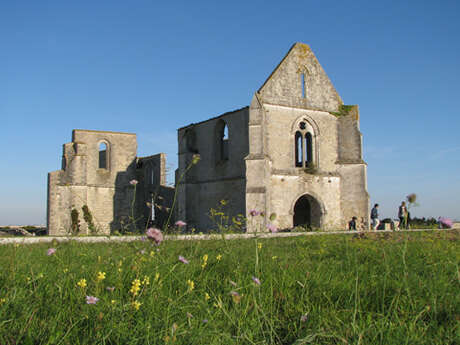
(303,147)
(190,141)
(224,138)
(102,156)
(302,81)
(298,149)
(308,149)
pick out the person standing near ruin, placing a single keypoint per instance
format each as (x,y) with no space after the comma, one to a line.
(402,215)
(352,223)
(375,217)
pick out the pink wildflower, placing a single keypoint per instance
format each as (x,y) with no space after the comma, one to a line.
(183,260)
(448,223)
(91,300)
(51,251)
(272,228)
(154,235)
(256,280)
(180,223)
(110,288)
(304,318)
(133,182)
(236,297)
(254,213)
(189,315)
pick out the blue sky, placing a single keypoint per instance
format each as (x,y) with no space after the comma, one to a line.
(150,67)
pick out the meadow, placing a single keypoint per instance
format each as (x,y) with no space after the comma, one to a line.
(399,288)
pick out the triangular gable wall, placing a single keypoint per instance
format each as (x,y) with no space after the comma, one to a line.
(284,86)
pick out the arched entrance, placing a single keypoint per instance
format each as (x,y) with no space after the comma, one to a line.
(307,212)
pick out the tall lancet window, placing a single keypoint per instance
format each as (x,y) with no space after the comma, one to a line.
(103,156)
(308,149)
(302,85)
(225,143)
(298,149)
(304,146)
(222,141)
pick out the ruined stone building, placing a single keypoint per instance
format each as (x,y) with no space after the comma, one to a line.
(295,152)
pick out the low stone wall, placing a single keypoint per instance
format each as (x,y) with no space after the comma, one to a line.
(106,239)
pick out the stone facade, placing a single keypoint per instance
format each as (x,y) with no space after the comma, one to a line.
(295,152)
(96,169)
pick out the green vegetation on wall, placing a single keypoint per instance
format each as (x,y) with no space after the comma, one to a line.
(344,110)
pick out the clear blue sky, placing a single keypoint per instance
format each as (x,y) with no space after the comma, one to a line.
(150,67)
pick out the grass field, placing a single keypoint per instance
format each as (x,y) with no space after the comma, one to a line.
(377,289)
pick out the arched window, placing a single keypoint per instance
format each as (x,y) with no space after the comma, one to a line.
(103,156)
(304,145)
(303,85)
(222,141)
(308,149)
(298,149)
(225,143)
(190,141)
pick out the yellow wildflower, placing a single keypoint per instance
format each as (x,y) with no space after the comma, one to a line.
(191,285)
(100,276)
(146,281)
(2,300)
(205,260)
(82,283)
(65,270)
(274,257)
(120,270)
(259,245)
(135,287)
(136,305)
(219,257)
(206,296)
(113,301)
(152,253)
(40,275)
(157,276)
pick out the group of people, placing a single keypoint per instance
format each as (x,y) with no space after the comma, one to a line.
(403,215)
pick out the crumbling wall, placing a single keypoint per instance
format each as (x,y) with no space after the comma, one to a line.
(105,191)
(202,187)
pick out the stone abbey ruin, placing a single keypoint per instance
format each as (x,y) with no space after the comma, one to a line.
(295,151)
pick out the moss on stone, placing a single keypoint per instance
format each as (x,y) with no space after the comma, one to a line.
(344,110)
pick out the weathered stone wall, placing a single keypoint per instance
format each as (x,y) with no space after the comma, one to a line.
(212,179)
(284,86)
(106,191)
(335,179)
(288,182)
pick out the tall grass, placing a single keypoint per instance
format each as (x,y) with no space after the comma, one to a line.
(384,289)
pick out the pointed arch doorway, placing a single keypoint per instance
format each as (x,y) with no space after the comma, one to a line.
(307,212)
